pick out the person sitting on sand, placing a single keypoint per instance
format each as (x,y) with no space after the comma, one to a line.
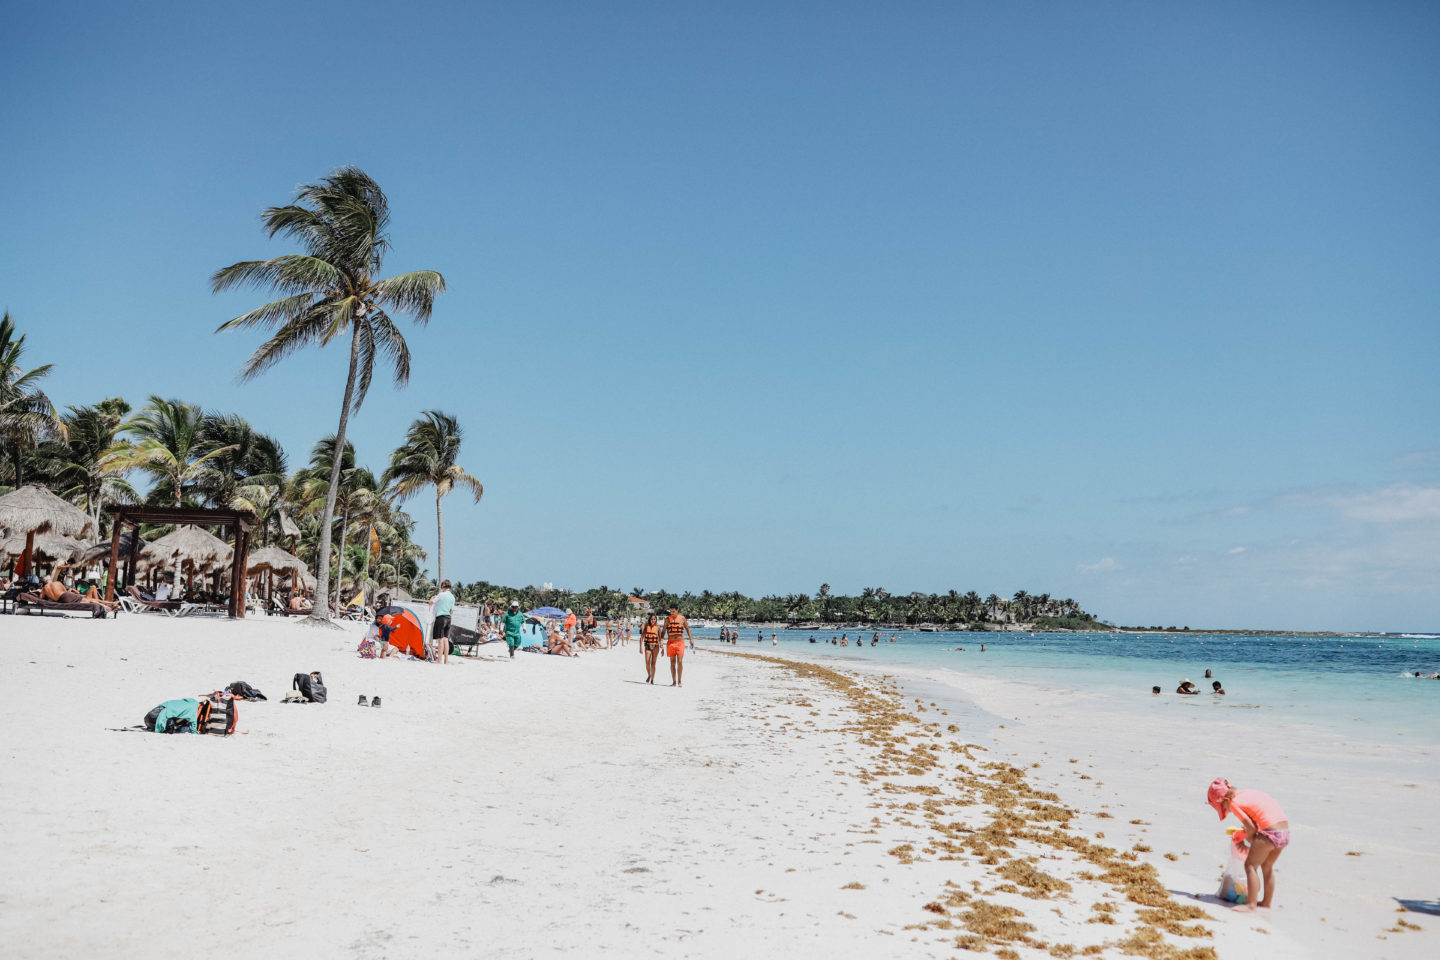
(558,644)
(1219,690)
(1187,688)
(1266,828)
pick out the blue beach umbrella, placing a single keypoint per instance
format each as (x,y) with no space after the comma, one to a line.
(550,613)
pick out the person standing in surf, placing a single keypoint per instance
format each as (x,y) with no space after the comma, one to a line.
(677,628)
(650,645)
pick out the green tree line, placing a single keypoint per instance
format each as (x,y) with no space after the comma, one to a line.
(873,605)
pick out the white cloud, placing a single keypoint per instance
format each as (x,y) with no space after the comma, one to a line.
(1234,550)
(1404,503)
(1102,566)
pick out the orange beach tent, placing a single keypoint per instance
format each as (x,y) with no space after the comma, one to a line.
(406,633)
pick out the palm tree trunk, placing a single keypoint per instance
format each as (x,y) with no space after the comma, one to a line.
(321,612)
(340,561)
(439,540)
(365,567)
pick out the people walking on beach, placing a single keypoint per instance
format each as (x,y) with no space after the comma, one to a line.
(677,628)
(650,645)
(569,623)
(1266,829)
(513,621)
(440,609)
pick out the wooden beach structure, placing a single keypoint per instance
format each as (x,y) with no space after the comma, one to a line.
(241,522)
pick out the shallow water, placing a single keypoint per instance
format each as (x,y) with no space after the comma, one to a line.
(1348,685)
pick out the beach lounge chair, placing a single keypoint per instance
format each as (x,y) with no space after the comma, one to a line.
(173,608)
(461,637)
(30,602)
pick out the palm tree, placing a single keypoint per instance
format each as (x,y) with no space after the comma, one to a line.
(86,467)
(331,289)
(26,414)
(427,459)
(171,447)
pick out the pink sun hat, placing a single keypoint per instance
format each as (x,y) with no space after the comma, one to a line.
(1218,788)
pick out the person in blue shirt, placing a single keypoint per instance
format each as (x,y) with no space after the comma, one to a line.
(440,609)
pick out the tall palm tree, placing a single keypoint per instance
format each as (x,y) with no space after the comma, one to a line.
(330,290)
(26,414)
(427,459)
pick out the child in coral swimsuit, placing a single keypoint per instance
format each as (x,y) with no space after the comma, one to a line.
(1266,828)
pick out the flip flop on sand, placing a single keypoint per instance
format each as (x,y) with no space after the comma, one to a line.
(375,702)
(363,702)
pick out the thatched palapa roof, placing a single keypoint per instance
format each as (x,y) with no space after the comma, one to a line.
(33,509)
(192,545)
(274,559)
(100,553)
(48,546)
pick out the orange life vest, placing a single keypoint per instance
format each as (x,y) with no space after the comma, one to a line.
(675,627)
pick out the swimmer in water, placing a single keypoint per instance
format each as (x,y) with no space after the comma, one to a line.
(1187,688)
(1219,690)
(1155,691)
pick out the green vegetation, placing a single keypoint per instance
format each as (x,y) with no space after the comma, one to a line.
(1081,621)
(874,605)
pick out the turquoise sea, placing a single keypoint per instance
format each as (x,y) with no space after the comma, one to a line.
(1349,685)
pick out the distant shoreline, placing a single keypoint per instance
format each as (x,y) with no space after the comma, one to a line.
(1029,628)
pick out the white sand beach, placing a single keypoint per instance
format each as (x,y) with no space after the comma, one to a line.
(543,807)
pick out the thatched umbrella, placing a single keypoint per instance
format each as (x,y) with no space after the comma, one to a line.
(32,509)
(401,594)
(272,560)
(101,551)
(192,545)
(46,546)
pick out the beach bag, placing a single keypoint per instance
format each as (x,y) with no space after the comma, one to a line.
(152,716)
(244,691)
(217,715)
(311,688)
(1232,879)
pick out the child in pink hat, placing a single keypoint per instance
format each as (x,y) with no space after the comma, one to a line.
(1266,828)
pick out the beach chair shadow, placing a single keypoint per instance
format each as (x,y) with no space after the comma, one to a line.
(1431,907)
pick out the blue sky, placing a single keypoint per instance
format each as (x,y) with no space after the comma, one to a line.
(1129,302)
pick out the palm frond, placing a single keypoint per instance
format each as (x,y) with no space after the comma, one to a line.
(276,312)
(412,292)
(292,271)
(390,343)
(298,333)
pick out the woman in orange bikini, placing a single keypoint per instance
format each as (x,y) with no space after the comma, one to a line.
(677,628)
(650,645)
(1265,827)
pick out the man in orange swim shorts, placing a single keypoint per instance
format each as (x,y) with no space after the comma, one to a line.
(677,629)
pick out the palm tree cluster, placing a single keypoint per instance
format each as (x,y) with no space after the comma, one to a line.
(173,453)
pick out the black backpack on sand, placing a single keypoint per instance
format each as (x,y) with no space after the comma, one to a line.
(311,686)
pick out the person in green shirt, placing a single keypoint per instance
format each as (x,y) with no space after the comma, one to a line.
(513,621)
